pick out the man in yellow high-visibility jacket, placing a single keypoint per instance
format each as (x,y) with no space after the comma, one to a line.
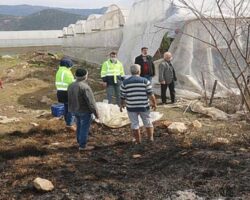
(112,73)
(64,78)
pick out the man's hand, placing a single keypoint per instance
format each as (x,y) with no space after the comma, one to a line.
(122,106)
(153,100)
(97,115)
(163,82)
(154,106)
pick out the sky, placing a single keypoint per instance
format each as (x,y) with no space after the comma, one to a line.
(70,3)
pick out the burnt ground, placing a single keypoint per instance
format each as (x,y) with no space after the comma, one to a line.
(191,161)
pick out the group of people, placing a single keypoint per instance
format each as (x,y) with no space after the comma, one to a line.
(133,92)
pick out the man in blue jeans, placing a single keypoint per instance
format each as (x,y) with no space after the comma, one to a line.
(82,103)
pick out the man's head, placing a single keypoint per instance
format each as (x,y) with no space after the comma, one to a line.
(167,56)
(66,62)
(113,56)
(144,51)
(135,69)
(81,74)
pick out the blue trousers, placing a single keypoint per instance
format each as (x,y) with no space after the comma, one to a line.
(148,77)
(68,116)
(113,89)
(83,121)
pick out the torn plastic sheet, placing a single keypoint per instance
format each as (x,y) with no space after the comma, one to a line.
(111,116)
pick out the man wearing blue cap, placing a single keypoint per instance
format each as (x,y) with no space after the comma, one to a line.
(64,78)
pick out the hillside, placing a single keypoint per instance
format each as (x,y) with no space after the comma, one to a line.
(25,10)
(49,19)
(26,17)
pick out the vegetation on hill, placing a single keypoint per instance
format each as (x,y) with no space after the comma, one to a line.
(26,17)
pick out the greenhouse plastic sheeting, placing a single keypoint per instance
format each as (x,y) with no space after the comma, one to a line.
(150,20)
(93,47)
(30,38)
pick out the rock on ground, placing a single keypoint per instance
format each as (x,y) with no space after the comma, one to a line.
(196,124)
(43,184)
(185,195)
(6,120)
(177,127)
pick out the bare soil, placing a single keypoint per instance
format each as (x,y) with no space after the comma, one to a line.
(190,161)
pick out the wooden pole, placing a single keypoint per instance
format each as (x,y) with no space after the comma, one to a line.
(213,92)
(204,86)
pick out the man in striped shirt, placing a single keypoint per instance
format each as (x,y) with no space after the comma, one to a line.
(135,94)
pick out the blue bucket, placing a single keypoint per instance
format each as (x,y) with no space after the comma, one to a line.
(57,110)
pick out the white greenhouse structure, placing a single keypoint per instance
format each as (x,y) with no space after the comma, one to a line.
(80,27)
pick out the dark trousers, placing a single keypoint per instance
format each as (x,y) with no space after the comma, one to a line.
(164,90)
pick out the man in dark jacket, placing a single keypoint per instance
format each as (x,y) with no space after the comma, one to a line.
(146,63)
(82,104)
(167,78)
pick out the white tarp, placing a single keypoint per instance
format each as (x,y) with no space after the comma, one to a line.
(111,116)
(150,20)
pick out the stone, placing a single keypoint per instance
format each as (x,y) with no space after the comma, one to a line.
(234,162)
(185,195)
(220,141)
(177,127)
(167,123)
(136,156)
(34,124)
(7,57)
(43,184)
(23,111)
(42,113)
(10,71)
(6,120)
(196,124)
(46,100)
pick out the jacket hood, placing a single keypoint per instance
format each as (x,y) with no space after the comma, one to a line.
(66,63)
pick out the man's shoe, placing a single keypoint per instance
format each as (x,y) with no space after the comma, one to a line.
(87,148)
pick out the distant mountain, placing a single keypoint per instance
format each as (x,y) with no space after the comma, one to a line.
(49,19)
(26,17)
(25,10)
